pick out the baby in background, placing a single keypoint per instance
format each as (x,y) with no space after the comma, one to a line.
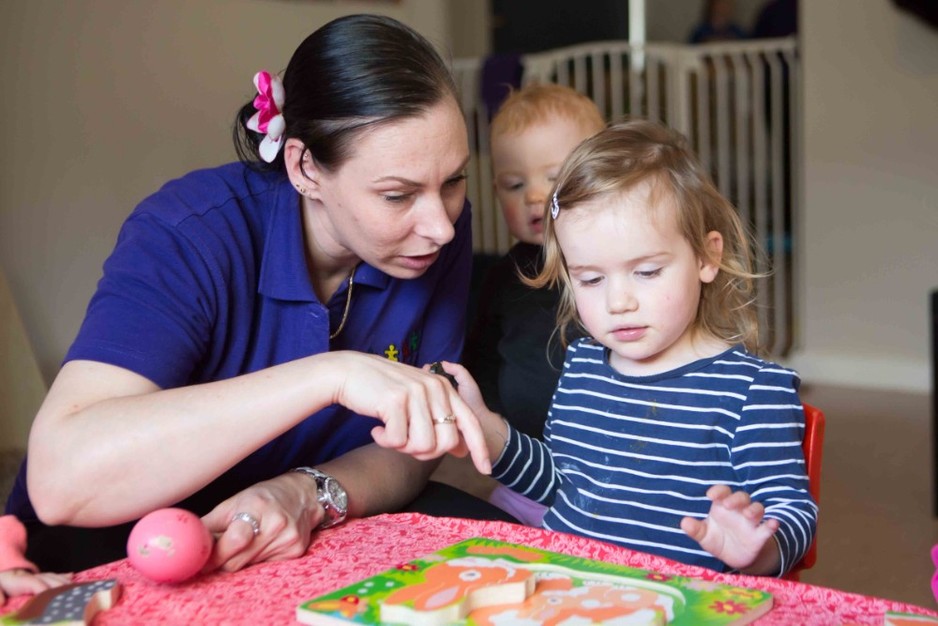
(666,434)
(510,350)
(17,575)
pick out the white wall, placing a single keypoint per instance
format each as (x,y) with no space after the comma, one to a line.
(870,223)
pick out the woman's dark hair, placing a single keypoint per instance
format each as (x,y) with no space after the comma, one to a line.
(354,72)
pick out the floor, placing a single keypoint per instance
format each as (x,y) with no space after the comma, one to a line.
(877,523)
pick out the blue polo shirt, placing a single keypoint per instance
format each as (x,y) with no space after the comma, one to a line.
(208,280)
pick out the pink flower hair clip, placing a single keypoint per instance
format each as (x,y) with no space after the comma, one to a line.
(268,119)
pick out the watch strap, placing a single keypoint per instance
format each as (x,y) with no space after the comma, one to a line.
(333,514)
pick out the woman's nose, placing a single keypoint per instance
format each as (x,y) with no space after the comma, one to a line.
(435,224)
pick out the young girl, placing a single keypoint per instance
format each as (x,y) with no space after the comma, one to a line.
(666,434)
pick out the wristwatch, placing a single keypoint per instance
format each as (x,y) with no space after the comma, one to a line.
(330,494)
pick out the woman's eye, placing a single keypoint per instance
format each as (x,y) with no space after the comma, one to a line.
(453,182)
(649,273)
(396,198)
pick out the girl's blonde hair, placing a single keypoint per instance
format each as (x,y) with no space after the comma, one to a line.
(626,154)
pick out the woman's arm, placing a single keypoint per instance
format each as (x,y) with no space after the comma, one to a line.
(91,449)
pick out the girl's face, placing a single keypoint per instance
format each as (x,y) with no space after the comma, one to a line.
(394,202)
(636,281)
(525,166)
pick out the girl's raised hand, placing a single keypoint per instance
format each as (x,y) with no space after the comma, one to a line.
(735,531)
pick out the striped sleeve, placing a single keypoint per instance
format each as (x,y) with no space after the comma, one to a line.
(527,467)
(767,457)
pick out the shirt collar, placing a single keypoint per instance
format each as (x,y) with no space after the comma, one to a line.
(284,274)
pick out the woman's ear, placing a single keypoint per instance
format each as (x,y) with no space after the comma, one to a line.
(301,167)
(710,266)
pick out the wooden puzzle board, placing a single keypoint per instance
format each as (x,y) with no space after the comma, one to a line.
(482,582)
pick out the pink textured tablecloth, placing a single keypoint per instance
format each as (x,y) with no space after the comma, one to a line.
(269,593)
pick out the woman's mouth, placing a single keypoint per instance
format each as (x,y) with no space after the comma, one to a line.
(420,262)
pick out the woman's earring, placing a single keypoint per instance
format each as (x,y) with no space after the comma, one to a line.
(300,189)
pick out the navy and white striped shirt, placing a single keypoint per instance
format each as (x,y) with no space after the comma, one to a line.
(625,458)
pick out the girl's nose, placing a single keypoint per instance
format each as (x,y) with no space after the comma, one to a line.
(535,194)
(620,299)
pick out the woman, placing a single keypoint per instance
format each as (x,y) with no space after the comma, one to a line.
(255,319)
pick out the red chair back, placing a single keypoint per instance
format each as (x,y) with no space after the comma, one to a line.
(813,447)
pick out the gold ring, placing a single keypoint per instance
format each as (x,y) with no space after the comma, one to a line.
(449,419)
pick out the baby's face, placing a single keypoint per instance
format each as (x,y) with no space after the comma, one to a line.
(525,166)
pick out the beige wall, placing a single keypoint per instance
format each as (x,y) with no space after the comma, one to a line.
(21,385)
(870,223)
(106,100)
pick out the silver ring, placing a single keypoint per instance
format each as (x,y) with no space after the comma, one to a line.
(250,519)
(449,419)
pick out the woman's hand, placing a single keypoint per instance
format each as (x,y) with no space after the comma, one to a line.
(423,414)
(494,428)
(286,512)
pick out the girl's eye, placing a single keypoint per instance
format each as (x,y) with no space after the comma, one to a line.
(396,198)
(649,273)
(589,282)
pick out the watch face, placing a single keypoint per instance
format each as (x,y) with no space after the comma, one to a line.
(337,494)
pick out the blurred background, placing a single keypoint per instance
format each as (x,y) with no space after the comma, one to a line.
(106,100)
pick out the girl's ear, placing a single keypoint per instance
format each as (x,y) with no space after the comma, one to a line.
(301,167)
(710,266)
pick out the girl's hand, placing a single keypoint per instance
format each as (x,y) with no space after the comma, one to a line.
(16,582)
(286,511)
(736,532)
(423,414)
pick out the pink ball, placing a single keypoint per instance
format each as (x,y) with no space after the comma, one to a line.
(169,545)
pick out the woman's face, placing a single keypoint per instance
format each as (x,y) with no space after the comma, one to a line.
(393,203)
